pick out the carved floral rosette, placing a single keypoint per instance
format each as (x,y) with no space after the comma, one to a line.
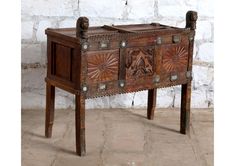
(102,66)
(175,59)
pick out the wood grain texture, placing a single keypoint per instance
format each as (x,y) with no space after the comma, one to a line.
(62,60)
(175,59)
(185,108)
(105,67)
(80,125)
(139,62)
(152,96)
(50,106)
(102,66)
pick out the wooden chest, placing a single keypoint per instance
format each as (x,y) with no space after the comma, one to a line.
(99,61)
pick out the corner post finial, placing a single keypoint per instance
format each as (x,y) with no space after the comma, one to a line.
(82,27)
(191,19)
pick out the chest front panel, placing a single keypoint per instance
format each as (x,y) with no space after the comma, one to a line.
(139,64)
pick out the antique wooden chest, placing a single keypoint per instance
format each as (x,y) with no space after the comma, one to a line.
(106,60)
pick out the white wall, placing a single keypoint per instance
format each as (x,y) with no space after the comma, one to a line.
(40,14)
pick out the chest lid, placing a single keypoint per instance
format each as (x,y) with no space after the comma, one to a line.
(83,30)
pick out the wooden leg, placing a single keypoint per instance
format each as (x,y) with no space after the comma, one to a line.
(80,125)
(50,104)
(185,108)
(151,103)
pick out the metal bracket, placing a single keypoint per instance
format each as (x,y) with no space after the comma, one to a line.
(176,39)
(103,44)
(156,79)
(174,77)
(102,86)
(159,40)
(188,74)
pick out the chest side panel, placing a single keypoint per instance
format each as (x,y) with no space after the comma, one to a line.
(174,62)
(174,58)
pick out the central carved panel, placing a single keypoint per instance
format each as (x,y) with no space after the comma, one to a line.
(139,62)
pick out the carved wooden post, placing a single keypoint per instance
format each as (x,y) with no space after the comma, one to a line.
(152,93)
(81,33)
(80,125)
(82,27)
(191,18)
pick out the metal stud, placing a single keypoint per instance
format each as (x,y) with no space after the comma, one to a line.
(123,44)
(121,84)
(85,46)
(159,40)
(188,74)
(176,39)
(156,79)
(84,88)
(103,44)
(102,86)
(191,37)
(174,77)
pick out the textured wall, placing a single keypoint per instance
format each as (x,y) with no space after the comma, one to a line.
(40,14)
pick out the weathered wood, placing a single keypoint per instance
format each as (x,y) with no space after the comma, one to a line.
(82,27)
(62,84)
(50,104)
(152,95)
(191,18)
(185,108)
(118,29)
(106,60)
(80,125)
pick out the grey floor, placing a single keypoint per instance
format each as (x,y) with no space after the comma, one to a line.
(119,137)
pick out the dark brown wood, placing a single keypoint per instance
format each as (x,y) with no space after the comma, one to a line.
(50,104)
(118,29)
(185,108)
(152,95)
(82,27)
(102,66)
(63,62)
(139,62)
(191,18)
(80,124)
(106,60)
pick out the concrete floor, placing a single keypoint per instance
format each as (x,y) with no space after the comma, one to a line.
(119,137)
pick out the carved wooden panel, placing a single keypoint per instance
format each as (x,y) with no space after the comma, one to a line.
(139,62)
(102,66)
(174,58)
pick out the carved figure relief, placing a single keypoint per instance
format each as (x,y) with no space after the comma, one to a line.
(175,59)
(102,66)
(139,62)
(82,27)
